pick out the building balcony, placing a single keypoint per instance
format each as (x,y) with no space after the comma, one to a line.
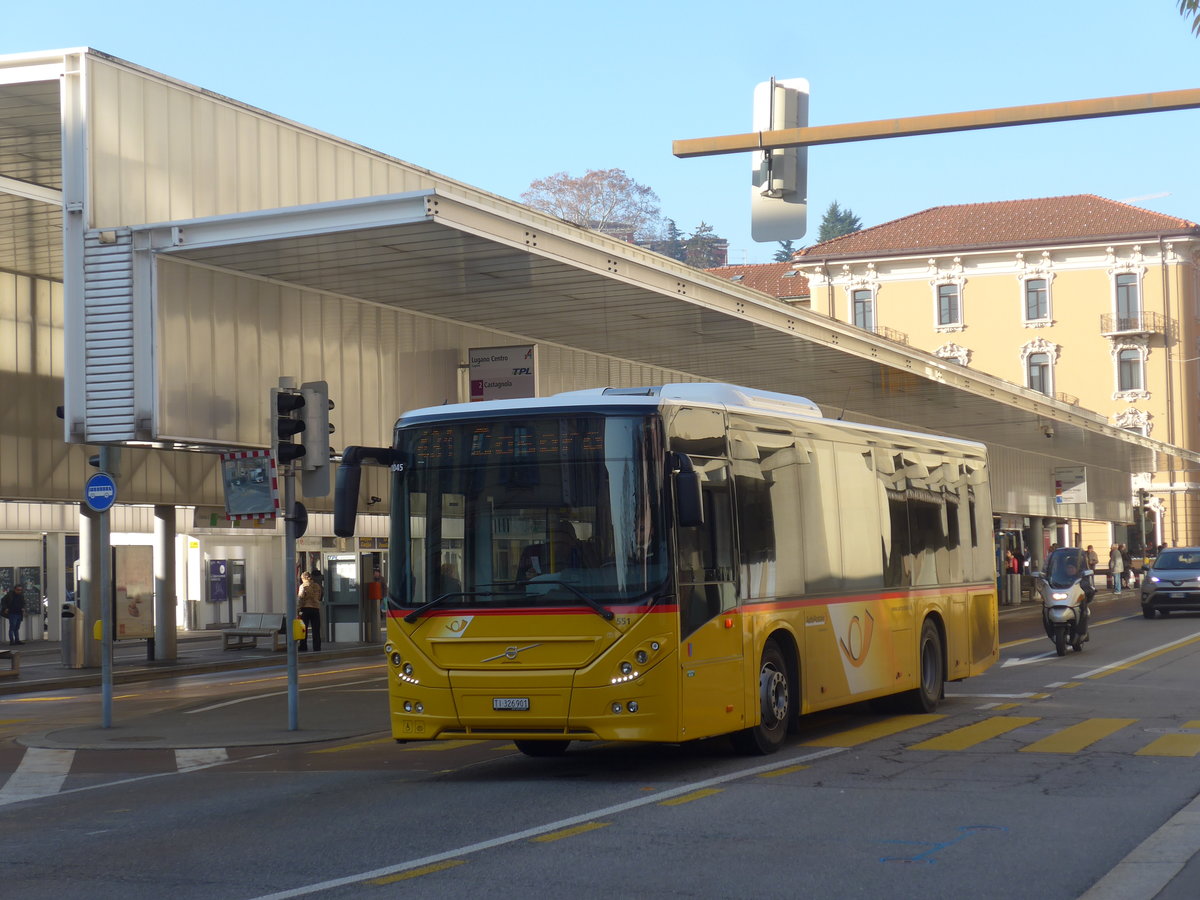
(1069,399)
(891,334)
(1143,323)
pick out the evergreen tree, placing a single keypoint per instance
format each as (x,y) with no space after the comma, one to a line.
(672,243)
(700,247)
(837,222)
(785,251)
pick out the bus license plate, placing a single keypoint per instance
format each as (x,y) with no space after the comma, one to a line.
(510,703)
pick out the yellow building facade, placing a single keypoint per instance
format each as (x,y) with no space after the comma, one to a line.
(1088,300)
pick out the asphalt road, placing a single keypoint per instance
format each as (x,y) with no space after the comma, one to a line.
(1036,779)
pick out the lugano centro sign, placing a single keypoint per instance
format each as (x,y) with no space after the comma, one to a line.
(100,492)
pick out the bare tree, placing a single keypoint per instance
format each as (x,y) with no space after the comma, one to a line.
(605,200)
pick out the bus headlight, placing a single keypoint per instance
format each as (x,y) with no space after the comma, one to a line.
(626,668)
(641,656)
(632,706)
(396,660)
(616,707)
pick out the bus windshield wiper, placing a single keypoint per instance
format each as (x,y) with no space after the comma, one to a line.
(439,600)
(601,610)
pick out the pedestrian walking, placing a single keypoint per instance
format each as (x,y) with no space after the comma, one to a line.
(308,606)
(12,607)
(1012,563)
(1093,558)
(1116,569)
(1126,566)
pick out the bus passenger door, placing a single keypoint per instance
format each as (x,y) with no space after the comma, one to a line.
(710,650)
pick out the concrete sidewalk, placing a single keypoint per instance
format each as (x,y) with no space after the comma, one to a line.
(233,724)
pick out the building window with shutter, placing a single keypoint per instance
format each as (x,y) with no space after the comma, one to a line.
(949,307)
(1037,300)
(863,309)
(1037,373)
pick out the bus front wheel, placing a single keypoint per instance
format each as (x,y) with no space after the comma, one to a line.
(776,706)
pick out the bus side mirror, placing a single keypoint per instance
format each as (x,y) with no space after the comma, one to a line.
(345,497)
(349,477)
(689,505)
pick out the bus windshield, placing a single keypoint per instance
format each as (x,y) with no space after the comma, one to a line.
(542,510)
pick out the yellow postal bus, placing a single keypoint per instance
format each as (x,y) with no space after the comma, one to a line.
(672,563)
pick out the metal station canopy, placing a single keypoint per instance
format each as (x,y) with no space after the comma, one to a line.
(434,253)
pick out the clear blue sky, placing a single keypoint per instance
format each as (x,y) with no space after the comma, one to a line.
(497,95)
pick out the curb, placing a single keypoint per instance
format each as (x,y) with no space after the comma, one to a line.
(169,669)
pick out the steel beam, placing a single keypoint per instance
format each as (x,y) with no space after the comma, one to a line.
(1128,105)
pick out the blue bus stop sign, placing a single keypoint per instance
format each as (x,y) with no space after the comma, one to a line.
(100,492)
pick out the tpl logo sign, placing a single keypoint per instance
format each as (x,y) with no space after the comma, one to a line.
(526,371)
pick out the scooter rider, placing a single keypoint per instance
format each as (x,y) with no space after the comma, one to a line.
(1074,571)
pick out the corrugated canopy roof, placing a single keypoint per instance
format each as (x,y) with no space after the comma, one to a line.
(442,255)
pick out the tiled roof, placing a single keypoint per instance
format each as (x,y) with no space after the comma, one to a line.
(778,279)
(1046,220)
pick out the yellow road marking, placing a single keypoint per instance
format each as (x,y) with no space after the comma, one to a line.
(34,699)
(355,746)
(569,832)
(1142,659)
(414,873)
(1185,745)
(788,771)
(311,674)
(438,745)
(970,735)
(884,728)
(688,798)
(1078,736)
(1000,707)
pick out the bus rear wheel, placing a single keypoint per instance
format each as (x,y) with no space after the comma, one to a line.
(542,748)
(924,699)
(776,706)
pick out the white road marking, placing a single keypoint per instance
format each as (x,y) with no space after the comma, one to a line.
(40,772)
(120,781)
(1152,864)
(657,797)
(1026,660)
(1138,656)
(324,687)
(201,757)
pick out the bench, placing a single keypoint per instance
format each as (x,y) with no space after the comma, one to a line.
(14,663)
(251,627)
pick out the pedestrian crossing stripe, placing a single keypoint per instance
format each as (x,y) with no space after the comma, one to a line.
(883,728)
(1184,745)
(1078,736)
(969,735)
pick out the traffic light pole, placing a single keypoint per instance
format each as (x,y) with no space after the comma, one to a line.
(289,565)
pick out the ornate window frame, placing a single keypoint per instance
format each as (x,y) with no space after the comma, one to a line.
(1136,420)
(1134,265)
(1043,269)
(1040,345)
(868,281)
(940,277)
(1142,348)
(953,351)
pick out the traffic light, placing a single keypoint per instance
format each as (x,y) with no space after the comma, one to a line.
(287,420)
(314,467)
(779,187)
